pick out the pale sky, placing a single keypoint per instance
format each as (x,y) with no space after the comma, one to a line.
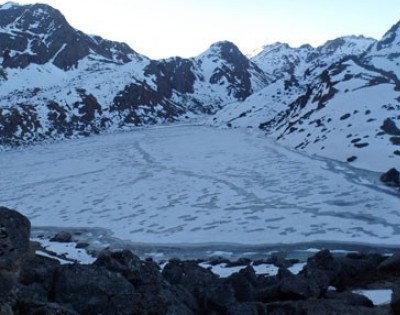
(165,28)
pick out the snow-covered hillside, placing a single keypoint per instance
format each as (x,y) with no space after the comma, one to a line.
(292,71)
(350,114)
(57,82)
(339,100)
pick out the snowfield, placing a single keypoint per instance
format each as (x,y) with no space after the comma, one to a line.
(197,185)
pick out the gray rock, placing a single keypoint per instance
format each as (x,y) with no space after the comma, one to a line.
(6,309)
(51,309)
(350,298)
(322,307)
(15,231)
(38,270)
(395,301)
(62,237)
(123,262)
(246,309)
(322,262)
(298,287)
(244,284)
(358,270)
(7,284)
(94,290)
(389,126)
(391,264)
(189,274)
(391,177)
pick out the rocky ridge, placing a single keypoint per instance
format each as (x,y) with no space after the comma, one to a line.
(57,82)
(121,283)
(339,100)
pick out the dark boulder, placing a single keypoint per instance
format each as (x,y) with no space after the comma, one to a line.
(189,274)
(7,284)
(349,298)
(244,284)
(45,309)
(279,260)
(154,294)
(395,301)
(319,273)
(95,290)
(246,309)
(322,307)
(391,177)
(38,270)
(389,126)
(268,294)
(213,261)
(30,298)
(217,297)
(298,287)
(238,263)
(322,262)
(313,281)
(62,237)
(351,159)
(123,262)
(391,264)
(211,293)
(357,270)
(15,231)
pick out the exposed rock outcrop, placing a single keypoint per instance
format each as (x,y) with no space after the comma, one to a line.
(391,177)
(121,283)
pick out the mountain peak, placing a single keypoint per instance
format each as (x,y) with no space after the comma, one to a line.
(8,5)
(391,37)
(225,50)
(268,48)
(39,34)
(33,18)
(347,45)
(224,47)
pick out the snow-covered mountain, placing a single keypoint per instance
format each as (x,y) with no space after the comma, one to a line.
(292,70)
(339,100)
(57,82)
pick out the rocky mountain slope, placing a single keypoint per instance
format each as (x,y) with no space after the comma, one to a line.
(339,100)
(57,82)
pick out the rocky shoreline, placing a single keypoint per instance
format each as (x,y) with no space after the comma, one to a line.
(121,283)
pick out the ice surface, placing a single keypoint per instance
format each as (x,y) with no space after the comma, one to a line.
(197,185)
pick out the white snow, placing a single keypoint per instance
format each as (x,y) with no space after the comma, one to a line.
(378,297)
(263,269)
(8,5)
(196,185)
(223,271)
(67,250)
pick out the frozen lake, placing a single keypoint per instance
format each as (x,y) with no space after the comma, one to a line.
(197,185)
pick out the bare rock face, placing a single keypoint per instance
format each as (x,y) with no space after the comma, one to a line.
(15,231)
(391,177)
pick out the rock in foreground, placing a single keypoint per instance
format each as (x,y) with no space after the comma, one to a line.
(122,283)
(15,231)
